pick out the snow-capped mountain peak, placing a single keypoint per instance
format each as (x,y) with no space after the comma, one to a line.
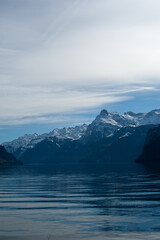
(106,123)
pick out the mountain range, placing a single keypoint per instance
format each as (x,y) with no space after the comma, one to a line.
(111,137)
(30,140)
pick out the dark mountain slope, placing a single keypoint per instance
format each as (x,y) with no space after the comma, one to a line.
(7,158)
(54,150)
(151,150)
(124,146)
(111,137)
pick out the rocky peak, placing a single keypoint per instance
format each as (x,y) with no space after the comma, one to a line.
(104,112)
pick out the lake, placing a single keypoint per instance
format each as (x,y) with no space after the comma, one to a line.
(87,202)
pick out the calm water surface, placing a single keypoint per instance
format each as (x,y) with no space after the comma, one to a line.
(48,202)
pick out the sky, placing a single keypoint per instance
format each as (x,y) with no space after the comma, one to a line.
(61,62)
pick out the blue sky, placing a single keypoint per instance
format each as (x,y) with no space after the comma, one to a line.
(61,62)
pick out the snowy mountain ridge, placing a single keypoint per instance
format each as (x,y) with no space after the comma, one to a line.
(129,118)
(104,125)
(30,140)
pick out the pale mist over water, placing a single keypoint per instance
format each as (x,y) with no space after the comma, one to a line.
(87,202)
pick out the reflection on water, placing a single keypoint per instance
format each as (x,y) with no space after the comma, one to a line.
(47,202)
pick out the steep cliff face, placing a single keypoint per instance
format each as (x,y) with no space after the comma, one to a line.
(7,158)
(151,150)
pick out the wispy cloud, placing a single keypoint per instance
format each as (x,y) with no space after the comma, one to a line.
(64,56)
(34,103)
(40,104)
